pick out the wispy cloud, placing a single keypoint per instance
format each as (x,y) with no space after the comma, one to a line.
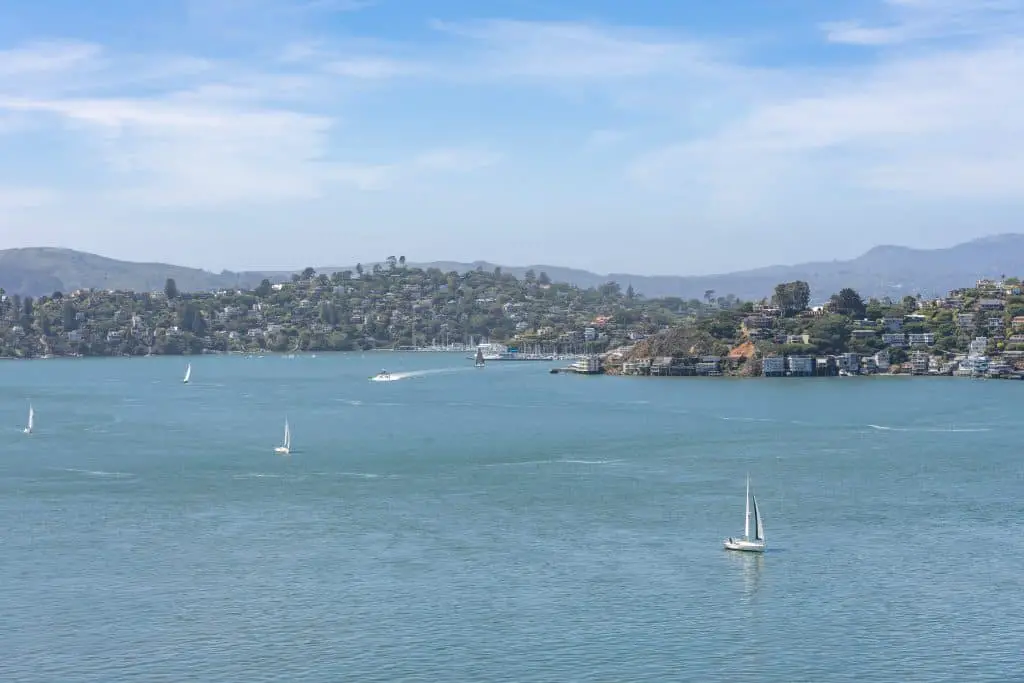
(905,21)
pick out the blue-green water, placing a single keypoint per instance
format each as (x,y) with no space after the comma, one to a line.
(502,524)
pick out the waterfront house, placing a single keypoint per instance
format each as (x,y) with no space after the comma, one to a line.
(919,363)
(799,366)
(849,362)
(881,360)
(709,365)
(773,366)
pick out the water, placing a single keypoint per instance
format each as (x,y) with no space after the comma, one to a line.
(502,524)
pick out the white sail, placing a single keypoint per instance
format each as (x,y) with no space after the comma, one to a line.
(758,523)
(287,435)
(188,373)
(31,419)
(746,517)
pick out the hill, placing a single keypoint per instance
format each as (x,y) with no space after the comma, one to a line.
(881,271)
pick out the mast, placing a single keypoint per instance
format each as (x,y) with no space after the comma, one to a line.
(746,517)
(758,525)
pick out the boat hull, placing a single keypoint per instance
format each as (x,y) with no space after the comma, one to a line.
(281,450)
(743,546)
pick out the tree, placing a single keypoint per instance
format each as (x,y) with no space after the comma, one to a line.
(68,313)
(530,276)
(377,270)
(543,278)
(392,262)
(630,294)
(792,297)
(171,288)
(709,294)
(359,269)
(308,273)
(401,261)
(264,289)
(848,302)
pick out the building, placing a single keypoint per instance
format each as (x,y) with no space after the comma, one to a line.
(800,366)
(990,304)
(919,363)
(798,339)
(894,339)
(892,324)
(863,334)
(849,362)
(773,366)
(978,347)
(709,365)
(921,339)
(965,320)
(882,360)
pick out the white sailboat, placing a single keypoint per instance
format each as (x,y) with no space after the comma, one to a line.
(31,419)
(188,373)
(748,544)
(286,447)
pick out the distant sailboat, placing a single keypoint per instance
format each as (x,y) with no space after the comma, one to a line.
(286,447)
(747,544)
(479,358)
(188,373)
(31,419)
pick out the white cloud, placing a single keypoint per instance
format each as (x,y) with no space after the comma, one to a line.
(906,21)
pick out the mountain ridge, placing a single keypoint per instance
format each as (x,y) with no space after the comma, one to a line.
(883,270)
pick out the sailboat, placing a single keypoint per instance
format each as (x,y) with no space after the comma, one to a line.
(31,419)
(286,447)
(479,358)
(188,373)
(747,544)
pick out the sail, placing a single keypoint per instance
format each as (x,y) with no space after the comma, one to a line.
(31,417)
(746,517)
(188,372)
(287,435)
(758,523)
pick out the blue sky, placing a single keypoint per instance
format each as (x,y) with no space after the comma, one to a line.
(650,137)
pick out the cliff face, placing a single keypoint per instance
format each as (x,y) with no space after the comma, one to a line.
(678,342)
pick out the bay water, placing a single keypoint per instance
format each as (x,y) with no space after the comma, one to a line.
(502,524)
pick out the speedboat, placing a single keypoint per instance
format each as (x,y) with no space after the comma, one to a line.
(382,376)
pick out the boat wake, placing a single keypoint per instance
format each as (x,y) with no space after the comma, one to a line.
(933,430)
(395,376)
(95,473)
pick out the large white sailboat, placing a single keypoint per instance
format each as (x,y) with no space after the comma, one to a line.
(31,419)
(188,373)
(286,446)
(748,544)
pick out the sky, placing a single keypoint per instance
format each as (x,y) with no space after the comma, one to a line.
(650,137)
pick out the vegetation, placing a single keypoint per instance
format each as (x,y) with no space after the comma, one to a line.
(393,305)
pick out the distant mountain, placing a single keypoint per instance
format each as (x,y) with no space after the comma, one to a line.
(881,271)
(43,270)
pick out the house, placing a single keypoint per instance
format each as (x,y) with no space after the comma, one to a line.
(709,365)
(990,304)
(921,339)
(978,346)
(115,336)
(1017,322)
(849,362)
(892,324)
(863,334)
(894,339)
(881,360)
(919,363)
(773,366)
(798,339)
(965,320)
(799,366)
(994,324)
(758,322)
(75,336)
